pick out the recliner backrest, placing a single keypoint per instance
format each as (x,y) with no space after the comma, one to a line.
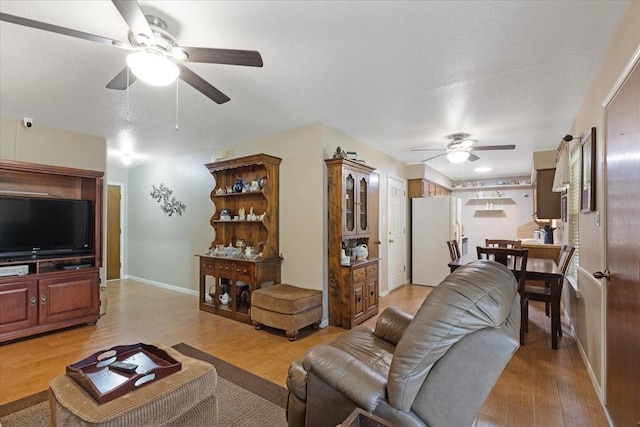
(476,296)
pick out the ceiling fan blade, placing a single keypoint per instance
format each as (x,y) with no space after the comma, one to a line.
(494,147)
(119,82)
(250,58)
(431,158)
(473,157)
(134,17)
(428,149)
(57,29)
(201,85)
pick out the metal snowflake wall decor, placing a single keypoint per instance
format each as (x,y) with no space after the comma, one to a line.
(169,204)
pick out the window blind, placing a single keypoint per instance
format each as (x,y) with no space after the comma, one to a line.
(574,212)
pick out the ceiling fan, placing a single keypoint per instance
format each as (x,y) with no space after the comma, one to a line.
(154,51)
(460,149)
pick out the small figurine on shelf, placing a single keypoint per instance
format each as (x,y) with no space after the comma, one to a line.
(339,154)
(224,299)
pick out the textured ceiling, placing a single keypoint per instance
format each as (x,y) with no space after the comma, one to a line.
(395,75)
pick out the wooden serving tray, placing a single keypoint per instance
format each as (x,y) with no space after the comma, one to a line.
(104,384)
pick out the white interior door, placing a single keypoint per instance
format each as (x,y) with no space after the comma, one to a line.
(397,203)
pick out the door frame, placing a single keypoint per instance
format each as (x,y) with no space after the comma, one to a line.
(123,225)
(406,241)
(624,75)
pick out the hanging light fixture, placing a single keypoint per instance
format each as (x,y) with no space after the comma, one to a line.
(457,156)
(153,67)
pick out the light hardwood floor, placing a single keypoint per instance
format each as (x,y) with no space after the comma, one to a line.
(539,387)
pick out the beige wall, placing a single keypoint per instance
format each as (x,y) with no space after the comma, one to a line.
(50,146)
(587,312)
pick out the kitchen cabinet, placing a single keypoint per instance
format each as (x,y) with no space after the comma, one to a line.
(421,187)
(241,184)
(546,203)
(353,220)
(61,290)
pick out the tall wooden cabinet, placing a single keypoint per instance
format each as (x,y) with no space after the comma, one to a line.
(51,296)
(241,184)
(353,221)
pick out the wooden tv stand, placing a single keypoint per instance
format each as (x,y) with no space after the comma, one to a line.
(56,292)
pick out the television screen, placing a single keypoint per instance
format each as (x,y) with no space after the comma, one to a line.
(39,226)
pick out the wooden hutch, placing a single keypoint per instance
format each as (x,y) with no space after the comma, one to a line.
(353,221)
(236,275)
(58,291)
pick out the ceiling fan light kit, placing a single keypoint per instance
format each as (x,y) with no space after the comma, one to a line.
(458,156)
(153,67)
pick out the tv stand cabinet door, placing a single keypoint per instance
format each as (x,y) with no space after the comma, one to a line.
(18,305)
(68,297)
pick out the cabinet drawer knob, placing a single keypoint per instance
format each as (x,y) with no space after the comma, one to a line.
(34,300)
(43,299)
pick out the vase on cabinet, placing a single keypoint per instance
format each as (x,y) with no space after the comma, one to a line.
(238,186)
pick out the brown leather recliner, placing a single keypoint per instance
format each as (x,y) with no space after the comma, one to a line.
(434,369)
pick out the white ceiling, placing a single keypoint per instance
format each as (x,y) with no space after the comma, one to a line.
(395,75)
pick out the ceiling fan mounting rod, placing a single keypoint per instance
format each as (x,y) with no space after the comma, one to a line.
(458,136)
(164,40)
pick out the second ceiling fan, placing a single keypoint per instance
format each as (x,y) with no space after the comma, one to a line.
(154,49)
(460,148)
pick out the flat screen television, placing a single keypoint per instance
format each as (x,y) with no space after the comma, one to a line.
(38,227)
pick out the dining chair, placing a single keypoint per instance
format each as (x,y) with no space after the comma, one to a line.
(454,249)
(543,293)
(516,261)
(502,243)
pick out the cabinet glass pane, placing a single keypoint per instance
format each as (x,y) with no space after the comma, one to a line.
(349,202)
(363,205)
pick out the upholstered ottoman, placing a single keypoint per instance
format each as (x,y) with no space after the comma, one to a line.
(184,398)
(286,307)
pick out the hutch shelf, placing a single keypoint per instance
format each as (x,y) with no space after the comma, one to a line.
(246,189)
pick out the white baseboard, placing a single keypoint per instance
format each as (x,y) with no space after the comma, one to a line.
(585,360)
(163,285)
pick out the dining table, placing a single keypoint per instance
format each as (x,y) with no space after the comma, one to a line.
(542,269)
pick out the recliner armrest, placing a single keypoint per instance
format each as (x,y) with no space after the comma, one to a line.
(391,325)
(297,380)
(363,385)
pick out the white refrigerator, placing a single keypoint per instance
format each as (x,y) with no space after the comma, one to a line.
(434,221)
